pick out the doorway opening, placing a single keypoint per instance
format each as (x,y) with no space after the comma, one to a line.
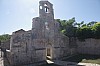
(48,53)
(49,56)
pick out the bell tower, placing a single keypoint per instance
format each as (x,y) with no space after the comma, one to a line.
(43,26)
(46,10)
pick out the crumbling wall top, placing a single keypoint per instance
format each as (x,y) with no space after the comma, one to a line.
(19,31)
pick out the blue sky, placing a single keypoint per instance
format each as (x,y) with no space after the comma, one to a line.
(18,14)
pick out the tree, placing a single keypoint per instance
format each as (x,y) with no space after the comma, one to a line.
(62,24)
(67,27)
(80,24)
(96,29)
(70,29)
(90,24)
(4,37)
(84,32)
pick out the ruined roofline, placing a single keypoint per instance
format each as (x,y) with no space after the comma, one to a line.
(46,1)
(43,0)
(21,30)
(35,18)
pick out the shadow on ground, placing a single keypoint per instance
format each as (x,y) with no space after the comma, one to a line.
(76,59)
(49,65)
(58,65)
(80,57)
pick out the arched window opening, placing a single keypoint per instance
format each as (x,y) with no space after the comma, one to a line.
(41,7)
(46,8)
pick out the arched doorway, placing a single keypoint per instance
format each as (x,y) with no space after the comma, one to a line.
(48,53)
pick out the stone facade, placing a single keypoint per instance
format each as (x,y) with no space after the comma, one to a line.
(42,42)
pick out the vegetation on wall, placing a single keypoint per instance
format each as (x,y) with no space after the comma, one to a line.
(71,28)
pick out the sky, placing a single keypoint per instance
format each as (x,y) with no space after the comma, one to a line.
(18,14)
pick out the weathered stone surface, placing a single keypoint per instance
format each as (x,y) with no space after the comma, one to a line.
(32,46)
(45,41)
(89,46)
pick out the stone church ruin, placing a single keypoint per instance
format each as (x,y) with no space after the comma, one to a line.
(44,41)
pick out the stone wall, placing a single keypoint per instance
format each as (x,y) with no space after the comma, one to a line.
(61,46)
(21,49)
(5,45)
(89,46)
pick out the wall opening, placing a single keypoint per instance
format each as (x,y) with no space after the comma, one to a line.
(40,7)
(46,8)
(48,53)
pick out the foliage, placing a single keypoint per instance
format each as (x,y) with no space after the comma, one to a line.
(96,29)
(4,37)
(90,30)
(67,27)
(80,24)
(91,23)
(84,32)
(71,28)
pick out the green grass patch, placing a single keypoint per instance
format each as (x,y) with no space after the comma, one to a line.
(97,61)
(84,58)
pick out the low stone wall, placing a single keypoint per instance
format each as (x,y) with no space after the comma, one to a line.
(5,45)
(89,46)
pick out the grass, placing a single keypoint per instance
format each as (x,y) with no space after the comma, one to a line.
(84,58)
(97,61)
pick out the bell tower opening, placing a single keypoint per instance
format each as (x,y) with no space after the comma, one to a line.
(46,8)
